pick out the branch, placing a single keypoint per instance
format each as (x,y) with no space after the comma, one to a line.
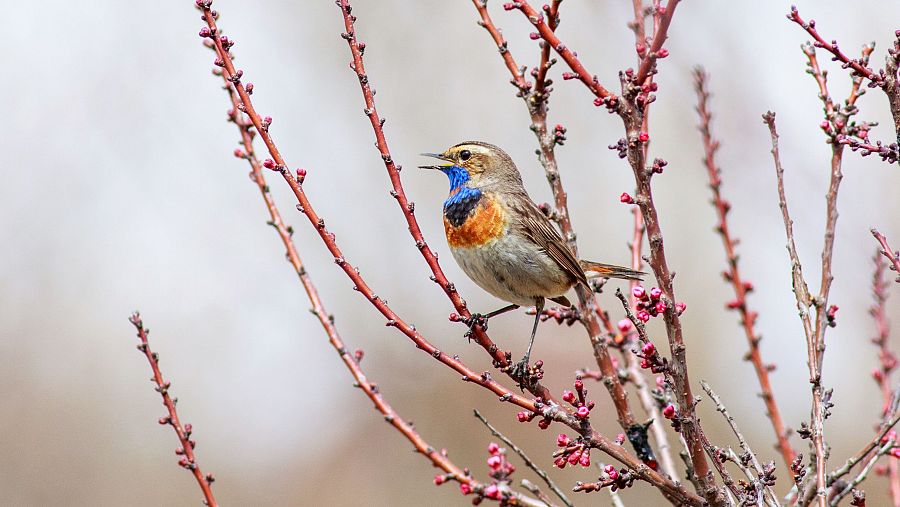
(528,462)
(547,409)
(804,302)
(764,480)
(186,451)
(587,305)
(858,66)
(892,255)
(733,275)
(887,360)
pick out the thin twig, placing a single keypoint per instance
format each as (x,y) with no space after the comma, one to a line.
(528,462)
(761,476)
(892,255)
(804,302)
(188,459)
(863,474)
(733,275)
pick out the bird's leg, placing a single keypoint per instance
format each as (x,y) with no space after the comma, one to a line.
(520,370)
(477,319)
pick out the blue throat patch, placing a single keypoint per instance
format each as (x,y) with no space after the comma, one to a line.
(461,204)
(458,177)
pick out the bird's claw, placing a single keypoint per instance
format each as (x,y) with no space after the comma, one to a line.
(524,374)
(476,319)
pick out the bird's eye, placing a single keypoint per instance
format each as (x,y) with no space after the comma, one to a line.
(465,155)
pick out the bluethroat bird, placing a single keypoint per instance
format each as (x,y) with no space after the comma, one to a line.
(503,241)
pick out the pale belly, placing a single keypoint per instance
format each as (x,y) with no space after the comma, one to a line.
(514,271)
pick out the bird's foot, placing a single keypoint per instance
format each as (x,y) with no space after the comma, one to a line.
(476,319)
(526,375)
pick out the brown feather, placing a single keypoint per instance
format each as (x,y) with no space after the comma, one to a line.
(537,227)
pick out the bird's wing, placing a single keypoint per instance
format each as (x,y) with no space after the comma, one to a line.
(538,228)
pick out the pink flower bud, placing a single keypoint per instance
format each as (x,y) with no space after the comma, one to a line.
(465,488)
(660,307)
(494,462)
(269,163)
(669,411)
(579,384)
(204,32)
(662,53)
(439,479)
(239,153)
(643,316)
(544,424)
(624,325)
(534,36)
(493,448)
(620,438)
(562,440)
(655,293)
(680,308)
(585,460)
(583,412)
(523,417)
(625,198)
(638,291)
(560,462)
(611,472)
(643,137)
(568,396)
(648,349)
(301,174)
(574,457)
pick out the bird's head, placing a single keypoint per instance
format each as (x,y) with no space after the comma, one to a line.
(475,164)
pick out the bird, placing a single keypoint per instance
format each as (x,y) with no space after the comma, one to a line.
(504,242)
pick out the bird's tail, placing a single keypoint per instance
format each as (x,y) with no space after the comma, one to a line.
(596,269)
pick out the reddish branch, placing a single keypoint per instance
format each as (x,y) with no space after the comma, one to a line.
(733,274)
(350,360)
(631,110)
(542,407)
(547,141)
(408,208)
(188,460)
(804,302)
(892,255)
(886,359)
(886,79)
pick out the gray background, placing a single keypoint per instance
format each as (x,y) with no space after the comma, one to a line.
(120,192)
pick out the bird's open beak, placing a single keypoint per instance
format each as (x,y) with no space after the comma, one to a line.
(438,156)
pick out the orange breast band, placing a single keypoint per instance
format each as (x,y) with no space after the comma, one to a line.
(485,224)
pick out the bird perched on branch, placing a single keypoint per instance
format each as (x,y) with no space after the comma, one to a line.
(502,240)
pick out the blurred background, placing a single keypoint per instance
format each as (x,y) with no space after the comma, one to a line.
(120,193)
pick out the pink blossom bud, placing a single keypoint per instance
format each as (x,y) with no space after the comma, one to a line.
(269,163)
(680,308)
(583,412)
(620,438)
(624,325)
(560,462)
(643,316)
(454,317)
(733,304)
(662,53)
(574,457)
(669,411)
(522,416)
(598,102)
(655,293)
(611,472)
(568,396)
(439,479)
(239,153)
(544,424)
(625,198)
(660,307)
(579,384)
(204,32)
(509,6)
(493,448)
(562,440)
(645,364)
(648,349)
(534,36)
(301,174)
(494,462)
(643,137)
(638,291)
(465,488)
(585,460)
(660,381)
